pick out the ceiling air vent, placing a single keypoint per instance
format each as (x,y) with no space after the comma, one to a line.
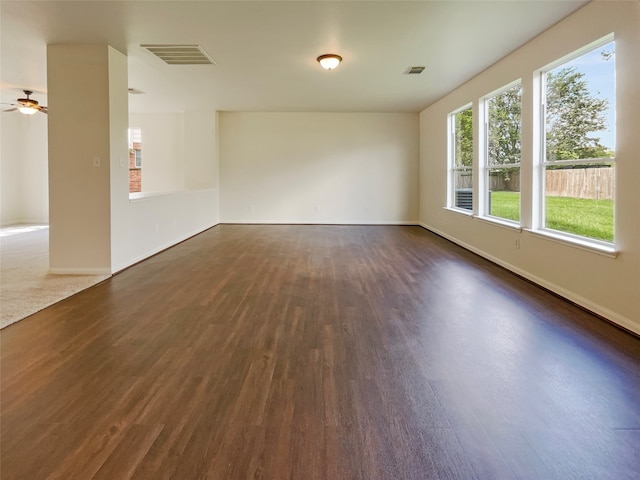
(414,70)
(180,54)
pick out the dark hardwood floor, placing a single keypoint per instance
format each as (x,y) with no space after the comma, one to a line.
(318,352)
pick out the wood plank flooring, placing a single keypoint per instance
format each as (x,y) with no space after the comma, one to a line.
(318,352)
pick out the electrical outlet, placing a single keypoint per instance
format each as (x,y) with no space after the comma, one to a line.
(517,244)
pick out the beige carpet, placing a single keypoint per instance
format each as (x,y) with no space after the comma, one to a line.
(26,287)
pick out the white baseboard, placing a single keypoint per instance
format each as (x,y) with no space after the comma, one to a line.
(165,246)
(80,271)
(316,222)
(569,295)
(23,221)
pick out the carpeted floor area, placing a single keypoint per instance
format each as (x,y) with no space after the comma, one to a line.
(26,287)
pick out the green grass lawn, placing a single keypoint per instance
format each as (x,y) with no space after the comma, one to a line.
(588,218)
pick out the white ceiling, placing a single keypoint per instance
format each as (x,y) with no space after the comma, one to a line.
(266,51)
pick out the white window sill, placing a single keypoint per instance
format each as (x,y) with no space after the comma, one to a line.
(139,196)
(593,246)
(461,211)
(500,223)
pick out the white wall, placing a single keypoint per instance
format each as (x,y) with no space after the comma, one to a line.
(144,226)
(81,89)
(162,150)
(319,167)
(179,150)
(96,222)
(200,150)
(24,185)
(605,285)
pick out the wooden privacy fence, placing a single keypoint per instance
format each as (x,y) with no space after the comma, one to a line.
(498,182)
(593,183)
(464,180)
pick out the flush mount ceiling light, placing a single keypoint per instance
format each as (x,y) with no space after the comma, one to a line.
(329,61)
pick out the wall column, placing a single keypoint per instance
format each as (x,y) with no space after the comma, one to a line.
(87,118)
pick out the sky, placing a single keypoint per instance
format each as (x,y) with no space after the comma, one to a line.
(600,76)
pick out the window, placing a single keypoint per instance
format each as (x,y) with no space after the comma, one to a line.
(460,193)
(138,158)
(501,180)
(135,160)
(577,180)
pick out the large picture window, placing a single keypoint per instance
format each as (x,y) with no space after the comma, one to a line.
(502,167)
(461,159)
(579,145)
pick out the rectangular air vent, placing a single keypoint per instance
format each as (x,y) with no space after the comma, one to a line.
(180,54)
(414,70)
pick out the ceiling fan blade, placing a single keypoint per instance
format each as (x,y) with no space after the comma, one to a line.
(44,110)
(11,110)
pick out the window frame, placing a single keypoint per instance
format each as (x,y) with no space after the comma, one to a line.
(451,161)
(134,179)
(539,186)
(486,166)
(137,158)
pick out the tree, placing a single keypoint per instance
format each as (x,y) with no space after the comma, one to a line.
(504,127)
(464,138)
(572,115)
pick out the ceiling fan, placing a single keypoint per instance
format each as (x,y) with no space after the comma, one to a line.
(28,106)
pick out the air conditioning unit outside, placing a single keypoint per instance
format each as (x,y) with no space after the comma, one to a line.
(464,198)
